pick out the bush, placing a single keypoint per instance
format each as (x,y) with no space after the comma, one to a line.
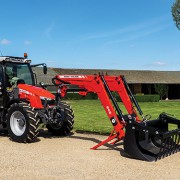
(161,89)
(139,97)
(148,98)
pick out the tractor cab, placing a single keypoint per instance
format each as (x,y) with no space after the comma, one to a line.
(15,71)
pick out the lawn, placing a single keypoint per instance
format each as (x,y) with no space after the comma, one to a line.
(91,117)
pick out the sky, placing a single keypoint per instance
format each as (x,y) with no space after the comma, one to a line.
(92,34)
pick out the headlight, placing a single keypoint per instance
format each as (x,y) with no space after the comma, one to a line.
(45,98)
(47,101)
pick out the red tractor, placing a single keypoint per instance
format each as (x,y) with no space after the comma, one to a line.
(23,105)
(143,139)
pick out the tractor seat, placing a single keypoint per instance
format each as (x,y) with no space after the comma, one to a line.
(20,81)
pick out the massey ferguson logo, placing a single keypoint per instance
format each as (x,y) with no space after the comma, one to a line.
(73,76)
(24,91)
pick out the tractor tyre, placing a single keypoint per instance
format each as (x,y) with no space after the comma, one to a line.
(22,123)
(65,125)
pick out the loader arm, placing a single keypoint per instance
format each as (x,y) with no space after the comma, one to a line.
(143,139)
(90,83)
(102,86)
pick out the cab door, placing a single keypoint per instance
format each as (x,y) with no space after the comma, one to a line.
(1,85)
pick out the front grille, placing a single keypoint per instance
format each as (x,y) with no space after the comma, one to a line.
(48,102)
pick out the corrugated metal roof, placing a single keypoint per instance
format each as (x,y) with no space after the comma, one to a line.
(132,76)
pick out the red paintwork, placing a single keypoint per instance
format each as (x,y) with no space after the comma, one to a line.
(33,93)
(93,83)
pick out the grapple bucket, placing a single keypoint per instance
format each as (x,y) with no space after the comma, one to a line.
(152,140)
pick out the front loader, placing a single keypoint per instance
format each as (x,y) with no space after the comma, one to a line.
(143,139)
(24,105)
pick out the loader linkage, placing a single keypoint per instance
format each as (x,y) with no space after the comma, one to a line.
(143,139)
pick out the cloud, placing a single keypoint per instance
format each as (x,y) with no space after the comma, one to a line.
(5,42)
(156,64)
(159,63)
(48,30)
(131,32)
(27,42)
(95,36)
(137,35)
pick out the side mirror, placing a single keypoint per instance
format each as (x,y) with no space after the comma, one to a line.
(44,69)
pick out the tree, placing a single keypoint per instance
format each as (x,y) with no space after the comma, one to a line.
(161,89)
(176,13)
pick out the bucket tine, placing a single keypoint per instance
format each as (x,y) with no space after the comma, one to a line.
(172,144)
(176,143)
(161,154)
(177,147)
(169,146)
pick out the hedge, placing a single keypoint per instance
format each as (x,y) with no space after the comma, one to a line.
(148,98)
(76,96)
(139,97)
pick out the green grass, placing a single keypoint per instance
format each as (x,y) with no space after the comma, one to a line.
(90,115)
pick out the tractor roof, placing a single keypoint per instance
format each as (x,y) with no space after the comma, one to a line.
(14,59)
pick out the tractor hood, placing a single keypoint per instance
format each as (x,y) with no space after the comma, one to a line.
(38,91)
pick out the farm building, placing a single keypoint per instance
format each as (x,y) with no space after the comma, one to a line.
(139,81)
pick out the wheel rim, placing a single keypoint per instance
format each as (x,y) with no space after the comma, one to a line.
(17,123)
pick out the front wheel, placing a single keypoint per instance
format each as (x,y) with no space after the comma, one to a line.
(22,123)
(64,118)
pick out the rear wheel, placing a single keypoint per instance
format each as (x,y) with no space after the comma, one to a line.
(22,123)
(65,119)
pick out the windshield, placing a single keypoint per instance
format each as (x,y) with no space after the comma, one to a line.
(19,71)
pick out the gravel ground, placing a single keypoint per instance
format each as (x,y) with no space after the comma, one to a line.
(71,158)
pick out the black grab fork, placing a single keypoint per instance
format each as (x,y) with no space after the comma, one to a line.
(152,140)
